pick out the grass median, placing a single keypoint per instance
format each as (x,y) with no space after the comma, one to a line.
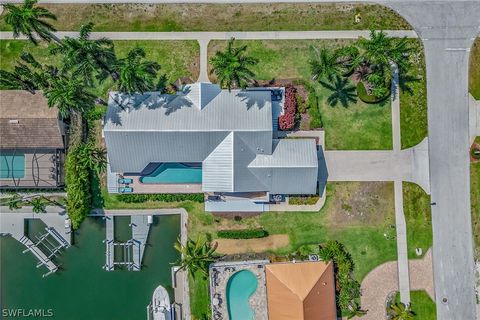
(224,17)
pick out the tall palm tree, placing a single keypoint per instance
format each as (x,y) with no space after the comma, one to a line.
(341,92)
(399,311)
(324,64)
(28,75)
(69,95)
(380,52)
(87,58)
(136,74)
(31,21)
(232,66)
(196,255)
(38,205)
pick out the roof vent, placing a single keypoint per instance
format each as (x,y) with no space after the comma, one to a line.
(13,121)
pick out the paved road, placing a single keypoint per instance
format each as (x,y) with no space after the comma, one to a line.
(447,30)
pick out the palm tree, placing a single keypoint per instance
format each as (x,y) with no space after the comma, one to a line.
(400,311)
(28,75)
(93,157)
(324,64)
(196,255)
(380,52)
(232,66)
(69,95)
(342,92)
(30,20)
(38,205)
(85,57)
(15,202)
(136,74)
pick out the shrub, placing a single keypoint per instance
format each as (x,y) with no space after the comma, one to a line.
(348,289)
(302,105)
(287,120)
(77,179)
(303,200)
(164,197)
(365,97)
(243,233)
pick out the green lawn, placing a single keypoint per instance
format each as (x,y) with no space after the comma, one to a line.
(177,58)
(475,199)
(416,206)
(422,305)
(413,105)
(474,73)
(218,17)
(359,127)
(199,297)
(356,214)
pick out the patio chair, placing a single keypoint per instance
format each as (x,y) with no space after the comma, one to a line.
(125,180)
(125,190)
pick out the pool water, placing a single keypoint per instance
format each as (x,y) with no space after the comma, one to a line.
(174,173)
(240,288)
(12,166)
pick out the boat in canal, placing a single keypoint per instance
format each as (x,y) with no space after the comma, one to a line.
(160,307)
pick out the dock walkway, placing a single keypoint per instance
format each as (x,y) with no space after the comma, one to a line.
(109,250)
(140,230)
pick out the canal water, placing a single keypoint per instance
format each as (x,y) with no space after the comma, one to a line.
(82,289)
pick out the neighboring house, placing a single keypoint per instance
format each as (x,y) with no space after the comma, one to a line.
(258,289)
(204,139)
(301,291)
(32,145)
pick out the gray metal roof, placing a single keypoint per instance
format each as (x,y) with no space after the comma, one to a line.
(229,132)
(292,168)
(225,111)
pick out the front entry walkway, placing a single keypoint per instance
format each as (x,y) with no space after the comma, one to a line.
(383,280)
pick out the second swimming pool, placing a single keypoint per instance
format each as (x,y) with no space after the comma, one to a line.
(240,288)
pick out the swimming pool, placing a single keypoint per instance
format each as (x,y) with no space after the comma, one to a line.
(240,288)
(12,166)
(174,173)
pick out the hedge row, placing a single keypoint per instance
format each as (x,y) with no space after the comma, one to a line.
(287,120)
(164,197)
(243,234)
(77,179)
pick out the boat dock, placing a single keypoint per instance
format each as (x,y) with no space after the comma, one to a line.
(42,258)
(140,230)
(133,249)
(45,246)
(109,251)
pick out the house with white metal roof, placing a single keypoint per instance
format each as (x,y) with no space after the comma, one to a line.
(205,139)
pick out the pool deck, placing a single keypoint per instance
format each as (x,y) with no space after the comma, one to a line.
(221,272)
(40,171)
(139,187)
